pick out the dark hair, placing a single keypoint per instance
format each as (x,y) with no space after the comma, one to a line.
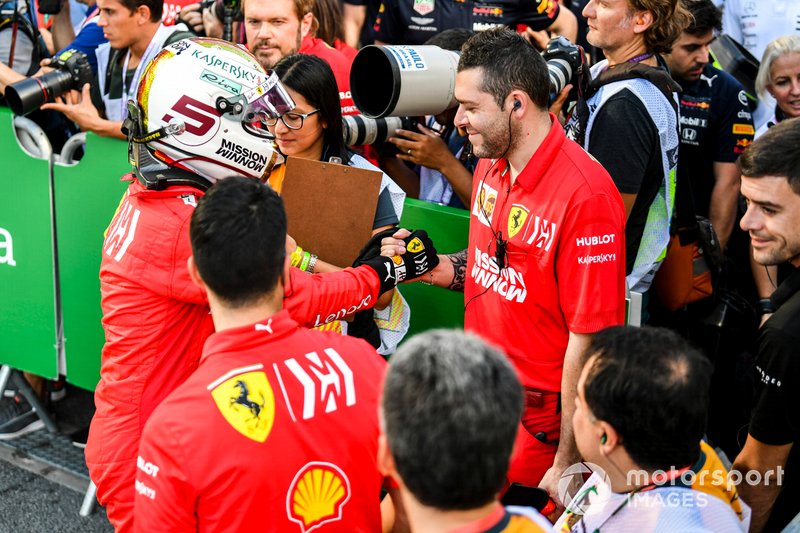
(452,39)
(313,78)
(509,62)
(156,7)
(451,408)
(238,235)
(670,18)
(775,153)
(652,388)
(706,17)
(328,14)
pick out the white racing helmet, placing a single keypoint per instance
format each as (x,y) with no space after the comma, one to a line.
(199,115)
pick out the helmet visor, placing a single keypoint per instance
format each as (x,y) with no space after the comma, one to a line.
(267,100)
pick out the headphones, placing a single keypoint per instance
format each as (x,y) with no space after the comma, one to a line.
(603,439)
(517,104)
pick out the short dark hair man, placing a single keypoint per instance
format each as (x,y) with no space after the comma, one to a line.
(632,103)
(771,186)
(640,413)
(450,411)
(716,125)
(135,35)
(544,265)
(277,429)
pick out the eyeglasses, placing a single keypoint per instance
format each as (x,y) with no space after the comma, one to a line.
(293,121)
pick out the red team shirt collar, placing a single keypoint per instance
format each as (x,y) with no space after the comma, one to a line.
(238,339)
(543,157)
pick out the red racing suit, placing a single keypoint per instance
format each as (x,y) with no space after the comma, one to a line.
(156,321)
(277,430)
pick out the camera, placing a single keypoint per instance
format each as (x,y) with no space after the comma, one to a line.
(359,129)
(385,80)
(50,7)
(565,64)
(72,71)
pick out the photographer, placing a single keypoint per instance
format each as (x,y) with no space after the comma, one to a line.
(88,38)
(135,35)
(628,120)
(438,174)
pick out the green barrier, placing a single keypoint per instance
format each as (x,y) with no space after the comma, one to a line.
(434,307)
(87,196)
(27,289)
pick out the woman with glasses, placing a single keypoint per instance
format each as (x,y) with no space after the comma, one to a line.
(313,130)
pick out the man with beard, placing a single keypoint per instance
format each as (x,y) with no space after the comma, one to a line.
(716,125)
(279,28)
(545,266)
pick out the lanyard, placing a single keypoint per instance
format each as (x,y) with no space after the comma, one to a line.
(142,61)
(570,522)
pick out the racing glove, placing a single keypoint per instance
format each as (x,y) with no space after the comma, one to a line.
(419,259)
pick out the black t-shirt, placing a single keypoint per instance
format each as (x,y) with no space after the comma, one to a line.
(625,141)
(415,21)
(371,20)
(716,126)
(776,412)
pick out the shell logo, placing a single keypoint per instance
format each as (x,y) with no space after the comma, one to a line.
(317,495)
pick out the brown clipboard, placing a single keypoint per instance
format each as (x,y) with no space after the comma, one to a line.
(330,207)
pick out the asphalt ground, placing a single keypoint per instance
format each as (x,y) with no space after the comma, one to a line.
(38,496)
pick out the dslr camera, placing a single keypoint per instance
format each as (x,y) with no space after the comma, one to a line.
(72,71)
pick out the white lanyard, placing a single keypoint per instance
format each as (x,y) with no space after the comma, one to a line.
(144,59)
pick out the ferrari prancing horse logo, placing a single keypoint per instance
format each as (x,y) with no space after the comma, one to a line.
(516,219)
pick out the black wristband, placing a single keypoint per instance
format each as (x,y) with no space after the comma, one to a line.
(385,269)
(766,307)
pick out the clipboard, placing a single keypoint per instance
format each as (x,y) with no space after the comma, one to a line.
(330,207)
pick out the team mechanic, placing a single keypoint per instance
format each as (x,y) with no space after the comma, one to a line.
(545,265)
(244,444)
(155,319)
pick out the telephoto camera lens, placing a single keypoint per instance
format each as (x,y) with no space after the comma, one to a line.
(359,129)
(71,71)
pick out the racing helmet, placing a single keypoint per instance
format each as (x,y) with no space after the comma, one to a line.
(199,116)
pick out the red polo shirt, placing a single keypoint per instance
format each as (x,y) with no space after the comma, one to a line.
(563,219)
(340,64)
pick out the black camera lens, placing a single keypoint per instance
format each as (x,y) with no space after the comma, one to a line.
(28,95)
(71,71)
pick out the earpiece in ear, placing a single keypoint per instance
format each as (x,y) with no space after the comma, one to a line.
(517,104)
(603,439)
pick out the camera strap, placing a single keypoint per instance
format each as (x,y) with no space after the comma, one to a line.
(659,77)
